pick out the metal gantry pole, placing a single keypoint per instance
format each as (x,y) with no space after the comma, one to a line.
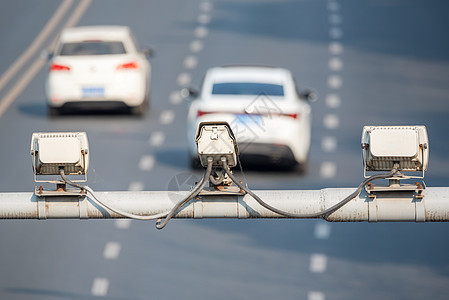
(433,206)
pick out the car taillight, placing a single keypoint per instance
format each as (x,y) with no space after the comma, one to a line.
(293,116)
(202,113)
(128,66)
(57,67)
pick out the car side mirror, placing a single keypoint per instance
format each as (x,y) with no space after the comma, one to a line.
(148,52)
(189,92)
(47,55)
(309,95)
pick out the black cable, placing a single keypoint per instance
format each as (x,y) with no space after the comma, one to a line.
(195,192)
(320,214)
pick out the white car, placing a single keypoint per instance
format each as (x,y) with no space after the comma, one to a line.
(270,118)
(98,67)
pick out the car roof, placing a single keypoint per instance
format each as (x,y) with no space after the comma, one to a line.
(95,32)
(248,73)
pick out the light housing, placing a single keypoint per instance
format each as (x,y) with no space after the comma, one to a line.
(382,146)
(216,140)
(52,151)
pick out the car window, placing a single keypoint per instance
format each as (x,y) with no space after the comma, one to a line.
(247,88)
(92,48)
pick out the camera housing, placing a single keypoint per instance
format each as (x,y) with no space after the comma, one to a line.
(382,146)
(52,151)
(216,140)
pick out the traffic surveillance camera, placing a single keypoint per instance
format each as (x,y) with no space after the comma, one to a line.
(383,146)
(53,151)
(216,140)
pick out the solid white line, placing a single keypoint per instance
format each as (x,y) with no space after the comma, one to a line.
(190,62)
(36,44)
(196,46)
(167,117)
(335,64)
(331,121)
(328,170)
(201,32)
(336,48)
(157,138)
(37,65)
(136,186)
(322,230)
(20,85)
(111,250)
(333,100)
(336,33)
(146,163)
(318,263)
(175,97)
(334,81)
(206,6)
(184,79)
(122,223)
(314,295)
(329,144)
(204,19)
(100,287)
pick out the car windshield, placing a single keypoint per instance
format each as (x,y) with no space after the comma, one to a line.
(92,48)
(247,88)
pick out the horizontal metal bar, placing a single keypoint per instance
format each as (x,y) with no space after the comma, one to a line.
(386,206)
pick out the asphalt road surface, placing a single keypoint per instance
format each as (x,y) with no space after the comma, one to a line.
(372,62)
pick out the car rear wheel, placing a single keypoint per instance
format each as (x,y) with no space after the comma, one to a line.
(53,111)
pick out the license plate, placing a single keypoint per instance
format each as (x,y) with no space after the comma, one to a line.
(93,92)
(248,119)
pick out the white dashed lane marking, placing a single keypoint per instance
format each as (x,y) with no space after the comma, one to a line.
(313,295)
(333,100)
(196,46)
(329,144)
(157,138)
(100,287)
(322,231)
(184,79)
(334,82)
(336,33)
(318,263)
(336,48)
(146,163)
(203,19)
(136,186)
(167,117)
(123,223)
(335,19)
(175,97)
(335,64)
(331,121)
(333,6)
(112,250)
(190,62)
(328,170)
(206,6)
(201,32)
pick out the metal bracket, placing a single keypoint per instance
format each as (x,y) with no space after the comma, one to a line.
(222,190)
(395,186)
(60,191)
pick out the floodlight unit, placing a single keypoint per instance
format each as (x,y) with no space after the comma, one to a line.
(52,151)
(383,146)
(216,140)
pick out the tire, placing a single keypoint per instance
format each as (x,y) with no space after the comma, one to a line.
(53,111)
(142,108)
